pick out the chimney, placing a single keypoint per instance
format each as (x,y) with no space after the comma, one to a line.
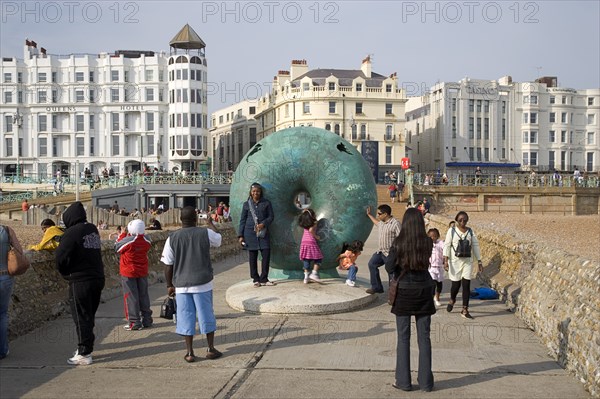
(366,66)
(43,51)
(298,68)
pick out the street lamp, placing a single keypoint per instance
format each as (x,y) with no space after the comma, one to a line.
(18,120)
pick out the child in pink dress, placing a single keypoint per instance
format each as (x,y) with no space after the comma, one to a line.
(310,253)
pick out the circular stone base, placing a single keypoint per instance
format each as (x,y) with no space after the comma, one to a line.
(293,296)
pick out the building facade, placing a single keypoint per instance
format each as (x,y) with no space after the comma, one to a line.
(233,133)
(501,124)
(363,107)
(124,110)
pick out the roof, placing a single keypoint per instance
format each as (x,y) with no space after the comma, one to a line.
(345,77)
(187,38)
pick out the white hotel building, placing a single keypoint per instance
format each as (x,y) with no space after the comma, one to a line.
(504,125)
(121,110)
(362,106)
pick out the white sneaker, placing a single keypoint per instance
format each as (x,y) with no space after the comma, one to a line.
(305,278)
(350,283)
(437,303)
(314,276)
(80,360)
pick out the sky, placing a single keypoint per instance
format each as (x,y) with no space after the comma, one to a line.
(248,42)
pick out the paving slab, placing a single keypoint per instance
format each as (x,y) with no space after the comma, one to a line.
(342,355)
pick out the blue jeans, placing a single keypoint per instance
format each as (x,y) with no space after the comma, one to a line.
(377,260)
(424,375)
(6,287)
(352,273)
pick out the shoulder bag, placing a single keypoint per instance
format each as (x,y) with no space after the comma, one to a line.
(18,263)
(260,233)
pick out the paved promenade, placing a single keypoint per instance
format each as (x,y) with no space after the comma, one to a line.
(346,355)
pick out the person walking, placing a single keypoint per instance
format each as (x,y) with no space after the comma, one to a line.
(389,228)
(461,247)
(408,260)
(7,238)
(253,233)
(79,261)
(189,276)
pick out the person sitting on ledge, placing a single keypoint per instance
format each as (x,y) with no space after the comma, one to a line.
(154,225)
(51,238)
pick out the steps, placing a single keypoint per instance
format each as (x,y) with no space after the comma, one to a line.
(383,197)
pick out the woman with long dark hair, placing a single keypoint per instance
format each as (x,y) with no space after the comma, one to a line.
(408,261)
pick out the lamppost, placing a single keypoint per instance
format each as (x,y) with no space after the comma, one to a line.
(18,120)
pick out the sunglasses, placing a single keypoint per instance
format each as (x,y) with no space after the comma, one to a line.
(380,213)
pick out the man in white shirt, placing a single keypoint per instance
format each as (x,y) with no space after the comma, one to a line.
(189,275)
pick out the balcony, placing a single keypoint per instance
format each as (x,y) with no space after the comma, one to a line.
(389,137)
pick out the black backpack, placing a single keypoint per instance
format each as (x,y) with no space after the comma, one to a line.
(463,249)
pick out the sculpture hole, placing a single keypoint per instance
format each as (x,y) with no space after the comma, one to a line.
(302,200)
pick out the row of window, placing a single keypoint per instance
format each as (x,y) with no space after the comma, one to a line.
(181,96)
(533,100)
(333,86)
(531,137)
(131,94)
(79,76)
(197,120)
(531,158)
(61,146)
(185,74)
(62,122)
(231,115)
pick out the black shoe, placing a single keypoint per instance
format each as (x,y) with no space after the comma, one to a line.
(372,291)
(409,388)
(449,307)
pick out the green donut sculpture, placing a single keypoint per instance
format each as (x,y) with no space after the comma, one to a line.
(330,170)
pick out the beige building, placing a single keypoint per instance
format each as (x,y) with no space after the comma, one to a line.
(363,107)
(233,133)
(501,124)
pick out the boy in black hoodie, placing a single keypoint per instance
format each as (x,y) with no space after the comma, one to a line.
(79,261)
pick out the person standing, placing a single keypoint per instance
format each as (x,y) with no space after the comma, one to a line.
(389,228)
(79,261)
(393,189)
(458,261)
(7,238)
(189,276)
(310,253)
(133,267)
(409,261)
(253,230)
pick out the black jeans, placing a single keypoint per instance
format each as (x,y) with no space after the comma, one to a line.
(466,291)
(253,259)
(84,298)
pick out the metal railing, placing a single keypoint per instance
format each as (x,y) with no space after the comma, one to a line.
(506,180)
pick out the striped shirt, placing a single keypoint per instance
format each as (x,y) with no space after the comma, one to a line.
(388,231)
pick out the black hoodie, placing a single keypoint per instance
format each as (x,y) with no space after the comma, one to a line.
(78,256)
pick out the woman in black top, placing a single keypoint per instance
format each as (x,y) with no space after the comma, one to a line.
(409,261)
(253,233)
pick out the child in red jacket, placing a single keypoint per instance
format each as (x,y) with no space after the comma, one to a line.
(133,268)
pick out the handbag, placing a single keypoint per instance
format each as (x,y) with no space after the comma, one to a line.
(168,308)
(18,263)
(261,233)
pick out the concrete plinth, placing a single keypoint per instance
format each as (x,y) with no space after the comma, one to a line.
(295,297)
